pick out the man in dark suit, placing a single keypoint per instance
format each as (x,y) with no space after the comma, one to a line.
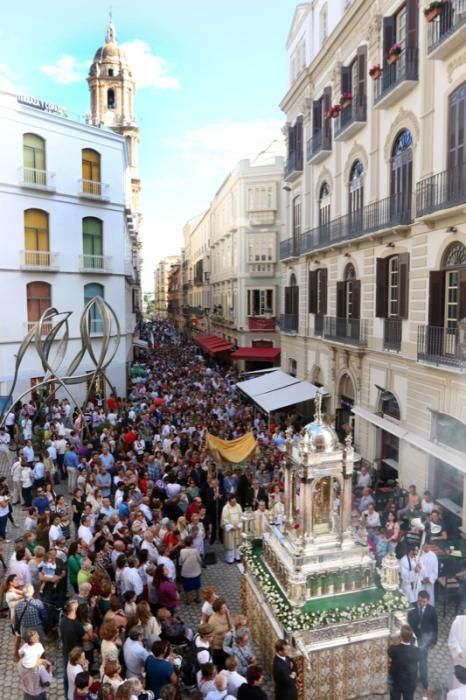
(284,672)
(422,619)
(404,658)
(255,494)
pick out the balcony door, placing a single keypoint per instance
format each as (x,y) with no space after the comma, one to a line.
(324,213)
(39,298)
(36,237)
(356,197)
(447,302)
(92,243)
(296,224)
(34,159)
(348,305)
(401,182)
(456,157)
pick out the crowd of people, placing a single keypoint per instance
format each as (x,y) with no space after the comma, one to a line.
(121,503)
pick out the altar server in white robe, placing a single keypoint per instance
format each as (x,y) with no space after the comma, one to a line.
(411,574)
(260,520)
(231,524)
(457,643)
(429,563)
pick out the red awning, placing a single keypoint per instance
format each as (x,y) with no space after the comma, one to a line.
(220,347)
(213,343)
(204,340)
(262,354)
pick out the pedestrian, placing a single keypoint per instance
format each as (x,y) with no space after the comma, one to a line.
(284,672)
(159,670)
(422,619)
(220,622)
(404,659)
(251,690)
(457,643)
(458,693)
(191,569)
(232,526)
(35,681)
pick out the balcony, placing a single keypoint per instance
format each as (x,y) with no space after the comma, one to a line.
(289,248)
(39,260)
(261,269)
(318,148)
(261,323)
(447,32)
(441,347)
(350,331)
(100,264)
(397,80)
(351,119)
(46,327)
(92,189)
(293,166)
(392,332)
(35,179)
(380,215)
(319,324)
(289,323)
(441,191)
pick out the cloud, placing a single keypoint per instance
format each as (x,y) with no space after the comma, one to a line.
(148,69)
(67,70)
(7,79)
(216,148)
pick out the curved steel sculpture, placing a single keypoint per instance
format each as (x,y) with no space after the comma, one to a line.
(50,336)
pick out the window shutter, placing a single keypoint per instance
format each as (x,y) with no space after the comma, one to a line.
(381,293)
(437,298)
(287,300)
(312,291)
(323,291)
(299,143)
(389,33)
(462,294)
(412,14)
(403,305)
(316,116)
(362,75)
(346,79)
(291,140)
(341,299)
(356,299)
(327,135)
(295,300)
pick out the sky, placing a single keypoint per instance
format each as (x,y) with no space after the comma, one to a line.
(210,75)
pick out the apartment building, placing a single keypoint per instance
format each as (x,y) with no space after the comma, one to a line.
(161,278)
(374,250)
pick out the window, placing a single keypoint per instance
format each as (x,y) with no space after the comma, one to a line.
(36,237)
(296,213)
(392,286)
(349,295)
(324,205)
(356,187)
(95,320)
(318,291)
(39,298)
(292,367)
(111,102)
(34,159)
(261,247)
(401,28)
(260,302)
(291,294)
(321,127)
(262,198)
(456,157)
(91,171)
(295,146)
(92,244)
(447,293)
(110,72)
(354,82)
(402,172)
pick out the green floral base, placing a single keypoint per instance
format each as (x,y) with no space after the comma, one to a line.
(320,612)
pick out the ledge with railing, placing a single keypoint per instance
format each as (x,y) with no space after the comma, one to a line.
(294,164)
(319,324)
(406,68)
(94,189)
(351,331)
(317,144)
(441,191)
(351,117)
(441,346)
(46,327)
(392,333)
(39,258)
(289,323)
(95,263)
(289,248)
(37,179)
(451,19)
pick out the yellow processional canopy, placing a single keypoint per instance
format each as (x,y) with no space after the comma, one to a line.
(232,451)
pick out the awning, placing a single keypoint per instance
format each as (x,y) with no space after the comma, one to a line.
(441,452)
(139,343)
(262,354)
(219,347)
(268,382)
(213,343)
(288,396)
(383,423)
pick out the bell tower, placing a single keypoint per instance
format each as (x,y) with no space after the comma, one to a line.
(112,88)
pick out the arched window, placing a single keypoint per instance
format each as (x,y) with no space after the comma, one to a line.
(91,171)
(34,159)
(95,320)
(447,300)
(93,258)
(39,298)
(356,187)
(324,205)
(111,102)
(401,181)
(36,238)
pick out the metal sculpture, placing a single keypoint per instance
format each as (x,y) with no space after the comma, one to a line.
(50,336)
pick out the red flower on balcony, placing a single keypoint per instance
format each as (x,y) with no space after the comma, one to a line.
(376,71)
(346,99)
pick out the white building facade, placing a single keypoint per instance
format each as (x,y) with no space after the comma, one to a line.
(64,195)
(161,276)
(374,254)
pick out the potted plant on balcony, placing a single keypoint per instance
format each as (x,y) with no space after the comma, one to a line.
(346,99)
(394,53)
(434,9)
(376,71)
(335,111)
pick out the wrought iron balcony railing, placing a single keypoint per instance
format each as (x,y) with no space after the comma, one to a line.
(451,18)
(406,68)
(441,346)
(355,113)
(319,324)
(441,191)
(289,323)
(294,164)
(345,330)
(392,333)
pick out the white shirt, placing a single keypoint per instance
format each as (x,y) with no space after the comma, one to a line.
(234,681)
(72,672)
(55,532)
(135,656)
(152,552)
(4,442)
(22,571)
(131,581)
(457,694)
(166,561)
(26,477)
(457,640)
(85,534)
(16,471)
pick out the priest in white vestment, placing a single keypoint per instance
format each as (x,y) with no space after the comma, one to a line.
(457,644)
(260,520)
(429,563)
(411,574)
(232,526)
